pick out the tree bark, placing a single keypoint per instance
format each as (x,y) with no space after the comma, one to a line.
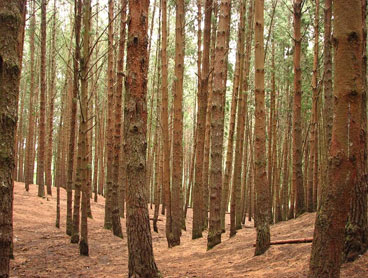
(260,176)
(297,129)
(11,28)
(177,164)
(344,153)
(217,123)
(141,260)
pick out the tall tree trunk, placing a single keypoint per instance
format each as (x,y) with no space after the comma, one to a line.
(356,229)
(200,133)
(141,260)
(165,125)
(73,122)
(297,129)
(50,118)
(327,80)
(82,170)
(31,119)
(217,123)
(344,153)
(75,217)
(42,120)
(239,87)
(177,166)
(204,87)
(116,225)
(110,119)
(260,176)
(313,155)
(11,29)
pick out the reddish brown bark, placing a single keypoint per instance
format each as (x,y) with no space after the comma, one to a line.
(344,153)
(141,260)
(217,123)
(260,177)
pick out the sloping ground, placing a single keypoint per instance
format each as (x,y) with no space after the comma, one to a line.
(41,250)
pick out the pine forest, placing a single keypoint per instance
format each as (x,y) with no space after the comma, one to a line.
(183,138)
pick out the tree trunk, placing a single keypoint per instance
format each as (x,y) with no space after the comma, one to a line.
(82,170)
(116,225)
(260,177)
(11,28)
(141,260)
(239,87)
(217,123)
(42,120)
(344,153)
(356,229)
(177,166)
(50,117)
(297,129)
(200,133)
(76,182)
(31,119)
(110,119)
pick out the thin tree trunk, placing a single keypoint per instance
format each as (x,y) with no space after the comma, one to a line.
(200,133)
(42,120)
(297,129)
(110,119)
(262,189)
(239,87)
(177,166)
(82,170)
(217,123)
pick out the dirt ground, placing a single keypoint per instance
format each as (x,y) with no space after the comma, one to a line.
(41,250)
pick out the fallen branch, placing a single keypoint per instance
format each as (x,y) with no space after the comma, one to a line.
(290,241)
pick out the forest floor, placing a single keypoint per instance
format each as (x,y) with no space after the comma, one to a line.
(41,250)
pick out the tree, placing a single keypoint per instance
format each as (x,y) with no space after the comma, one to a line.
(177,166)
(110,118)
(356,229)
(73,122)
(82,170)
(81,139)
(313,156)
(236,188)
(42,120)
(297,129)
(141,260)
(51,100)
(31,119)
(344,162)
(116,225)
(217,123)
(11,28)
(260,176)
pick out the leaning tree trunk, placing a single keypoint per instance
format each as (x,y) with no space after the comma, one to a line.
(344,163)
